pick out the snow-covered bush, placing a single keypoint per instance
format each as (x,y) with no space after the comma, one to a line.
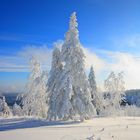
(17,111)
(131,110)
(4,108)
(115,93)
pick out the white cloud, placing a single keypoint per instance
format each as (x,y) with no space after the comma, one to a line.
(115,61)
(128,63)
(92,59)
(103,62)
(41,53)
(20,62)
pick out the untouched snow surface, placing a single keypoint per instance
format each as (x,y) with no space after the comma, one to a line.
(117,128)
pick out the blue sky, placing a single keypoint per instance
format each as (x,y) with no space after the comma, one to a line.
(105,26)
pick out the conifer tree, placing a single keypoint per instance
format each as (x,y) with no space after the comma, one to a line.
(96,99)
(73,84)
(56,68)
(92,83)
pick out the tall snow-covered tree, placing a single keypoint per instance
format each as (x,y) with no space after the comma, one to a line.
(114,86)
(56,68)
(60,105)
(73,56)
(34,100)
(55,83)
(65,105)
(96,100)
(73,68)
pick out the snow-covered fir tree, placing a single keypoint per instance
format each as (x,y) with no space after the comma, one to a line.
(73,85)
(73,56)
(64,104)
(34,100)
(4,108)
(57,89)
(115,90)
(56,68)
(96,100)
(92,83)
(60,105)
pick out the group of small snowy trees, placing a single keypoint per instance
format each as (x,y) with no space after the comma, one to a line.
(4,108)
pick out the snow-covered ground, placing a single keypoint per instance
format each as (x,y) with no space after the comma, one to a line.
(118,128)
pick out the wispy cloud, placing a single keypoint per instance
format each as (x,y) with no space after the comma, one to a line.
(128,63)
(13,64)
(20,62)
(115,61)
(92,59)
(102,60)
(41,53)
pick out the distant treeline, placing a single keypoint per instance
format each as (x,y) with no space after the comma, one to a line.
(132,97)
(10,98)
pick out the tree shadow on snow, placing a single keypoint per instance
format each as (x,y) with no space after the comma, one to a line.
(20,123)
